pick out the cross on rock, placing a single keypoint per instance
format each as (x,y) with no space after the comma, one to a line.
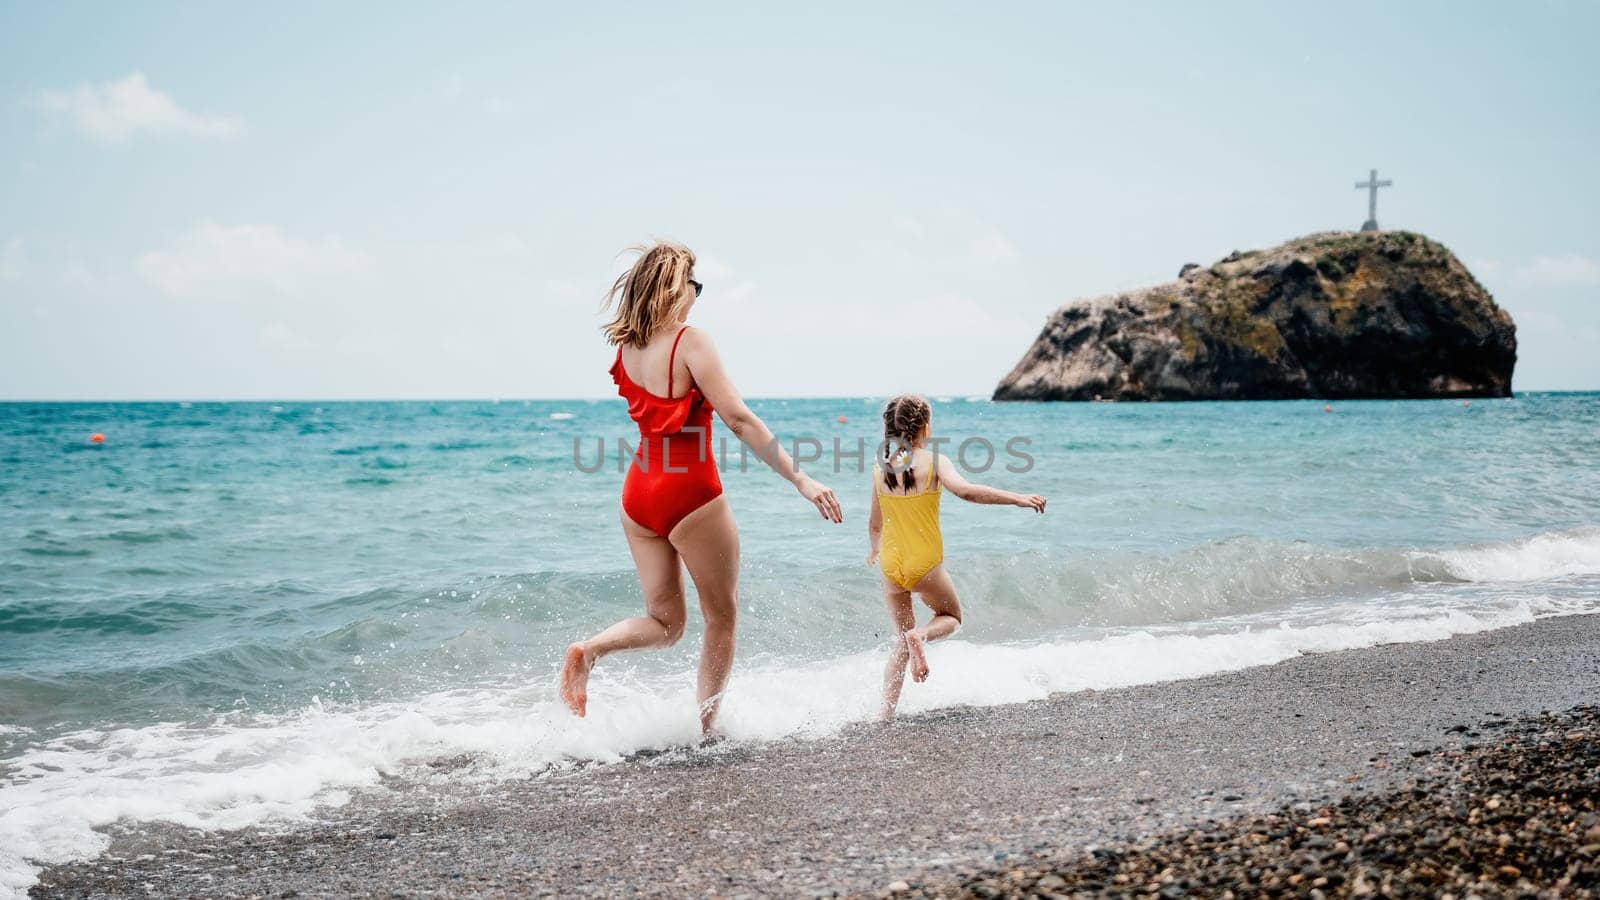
(1371,186)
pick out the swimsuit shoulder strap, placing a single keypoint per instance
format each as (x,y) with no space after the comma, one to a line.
(933,469)
(672,358)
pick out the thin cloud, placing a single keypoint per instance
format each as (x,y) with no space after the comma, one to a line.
(708,267)
(721,280)
(1568,270)
(911,226)
(950,243)
(279,336)
(449,87)
(993,249)
(118,110)
(12,259)
(222,259)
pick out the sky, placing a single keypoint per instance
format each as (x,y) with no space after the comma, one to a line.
(230,201)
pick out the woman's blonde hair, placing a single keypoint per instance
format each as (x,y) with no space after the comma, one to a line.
(654,292)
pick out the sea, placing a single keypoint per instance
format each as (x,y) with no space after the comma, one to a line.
(230,614)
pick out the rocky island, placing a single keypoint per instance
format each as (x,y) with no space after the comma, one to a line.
(1336,315)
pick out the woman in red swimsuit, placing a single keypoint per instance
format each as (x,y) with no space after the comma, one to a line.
(673,511)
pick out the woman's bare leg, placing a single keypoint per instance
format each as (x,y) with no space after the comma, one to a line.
(898,599)
(661,578)
(708,541)
(939,593)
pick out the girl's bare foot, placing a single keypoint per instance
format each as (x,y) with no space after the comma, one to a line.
(575,679)
(919,659)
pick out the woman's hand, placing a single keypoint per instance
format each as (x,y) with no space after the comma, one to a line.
(872,556)
(1031,501)
(820,496)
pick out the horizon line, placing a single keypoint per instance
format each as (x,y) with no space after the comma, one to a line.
(933,395)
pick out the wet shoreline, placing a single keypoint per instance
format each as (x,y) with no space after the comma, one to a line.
(932,801)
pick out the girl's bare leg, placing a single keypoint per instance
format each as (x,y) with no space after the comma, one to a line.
(661,578)
(939,593)
(708,541)
(898,599)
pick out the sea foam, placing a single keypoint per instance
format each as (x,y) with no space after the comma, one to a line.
(1552,555)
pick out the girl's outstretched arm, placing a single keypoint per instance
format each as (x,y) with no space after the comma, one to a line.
(705,365)
(982,493)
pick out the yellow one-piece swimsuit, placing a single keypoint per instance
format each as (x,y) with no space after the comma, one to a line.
(911,543)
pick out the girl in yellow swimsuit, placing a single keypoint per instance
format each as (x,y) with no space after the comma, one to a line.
(906,541)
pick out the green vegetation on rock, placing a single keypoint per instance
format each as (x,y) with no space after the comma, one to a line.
(1337,314)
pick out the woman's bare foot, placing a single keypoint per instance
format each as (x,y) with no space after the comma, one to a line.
(919,659)
(575,679)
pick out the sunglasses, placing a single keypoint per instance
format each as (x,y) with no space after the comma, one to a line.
(698,287)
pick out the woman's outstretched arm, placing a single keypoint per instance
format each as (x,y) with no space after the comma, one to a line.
(705,365)
(874,528)
(951,478)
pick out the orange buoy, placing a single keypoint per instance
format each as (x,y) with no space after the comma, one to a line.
(1327,407)
(97,438)
(843,420)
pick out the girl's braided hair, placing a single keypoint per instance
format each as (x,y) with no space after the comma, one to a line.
(904,418)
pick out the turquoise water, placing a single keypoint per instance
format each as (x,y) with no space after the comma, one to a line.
(224,589)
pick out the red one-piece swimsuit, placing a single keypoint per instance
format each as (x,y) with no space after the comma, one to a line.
(674,472)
